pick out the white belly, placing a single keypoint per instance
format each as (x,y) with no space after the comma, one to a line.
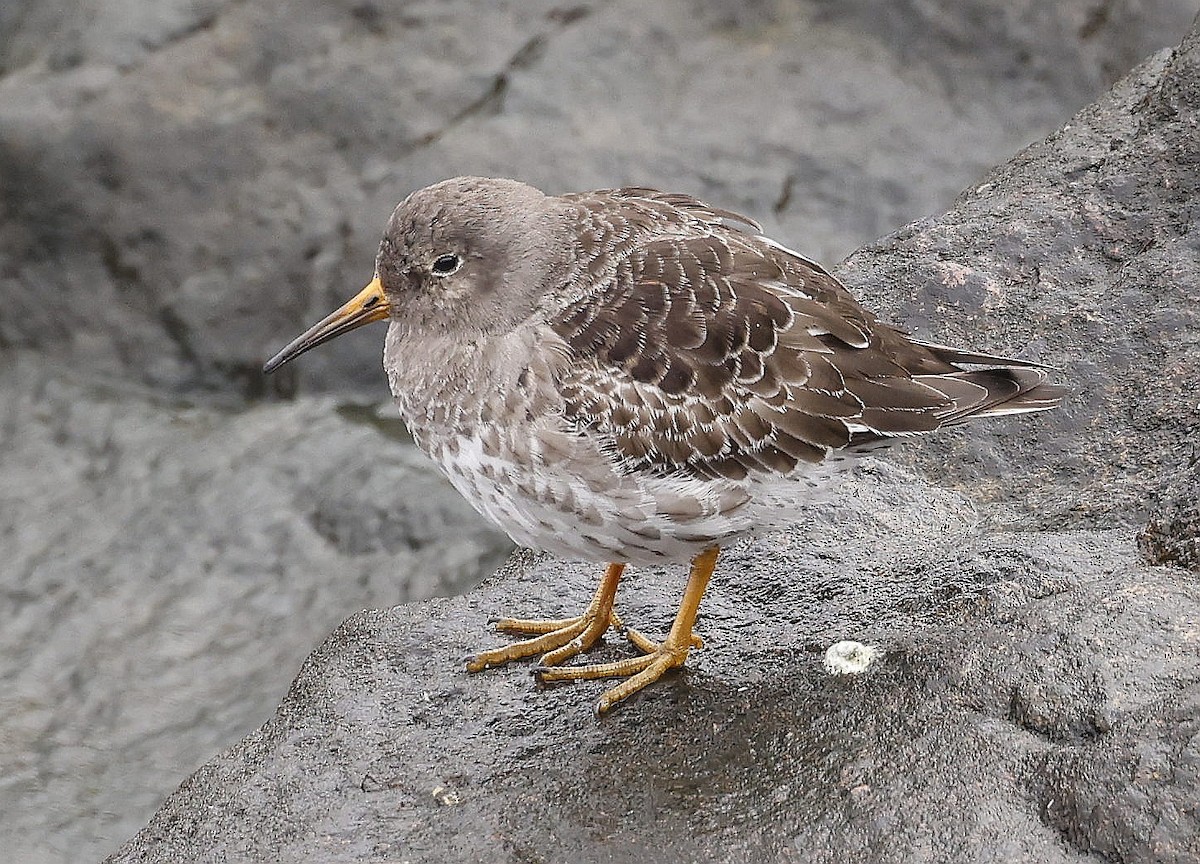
(620,518)
(637,519)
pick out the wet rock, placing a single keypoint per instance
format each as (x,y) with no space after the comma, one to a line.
(1035,699)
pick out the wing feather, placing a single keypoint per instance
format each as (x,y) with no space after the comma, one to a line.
(701,349)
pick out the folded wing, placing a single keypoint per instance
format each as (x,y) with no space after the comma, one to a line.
(717,353)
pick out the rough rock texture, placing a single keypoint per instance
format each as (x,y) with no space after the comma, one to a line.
(1082,252)
(1038,700)
(184,183)
(167,568)
(166,167)
(1172,536)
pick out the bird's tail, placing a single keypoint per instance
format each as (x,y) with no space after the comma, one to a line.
(995,392)
(1008,386)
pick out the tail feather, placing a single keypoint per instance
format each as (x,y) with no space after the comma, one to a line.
(1007,387)
(995,392)
(957,355)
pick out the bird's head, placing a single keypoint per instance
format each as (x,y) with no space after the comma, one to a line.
(467,256)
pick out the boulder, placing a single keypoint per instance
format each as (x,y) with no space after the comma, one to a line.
(1082,252)
(186,183)
(1036,698)
(166,569)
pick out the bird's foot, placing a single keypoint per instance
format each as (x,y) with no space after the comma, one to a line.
(557,640)
(637,671)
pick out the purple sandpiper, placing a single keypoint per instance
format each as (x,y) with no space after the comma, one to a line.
(628,376)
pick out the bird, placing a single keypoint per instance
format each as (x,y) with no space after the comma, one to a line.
(632,377)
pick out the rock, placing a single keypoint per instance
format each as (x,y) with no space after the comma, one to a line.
(1038,693)
(1083,253)
(193,181)
(185,183)
(1172,536)
(1036,700)
(167,567)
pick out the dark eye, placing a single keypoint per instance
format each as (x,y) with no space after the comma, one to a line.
(444,265)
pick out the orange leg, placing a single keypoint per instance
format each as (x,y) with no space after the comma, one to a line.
(648,668)
(557,640)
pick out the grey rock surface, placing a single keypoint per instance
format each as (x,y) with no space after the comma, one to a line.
(168,567)
(189,179)
(1082,252)
(1038,696)
(1172,535)
(1036,701)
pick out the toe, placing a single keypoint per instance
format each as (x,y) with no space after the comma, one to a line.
(654,670)
(616,669)
(532,626)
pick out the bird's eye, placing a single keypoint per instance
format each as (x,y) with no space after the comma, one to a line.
(444,265)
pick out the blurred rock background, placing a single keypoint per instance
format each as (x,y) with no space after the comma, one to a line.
(185,184)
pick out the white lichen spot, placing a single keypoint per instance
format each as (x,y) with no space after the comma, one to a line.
(849,657)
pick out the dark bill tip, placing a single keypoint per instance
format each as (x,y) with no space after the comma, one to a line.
(367,306)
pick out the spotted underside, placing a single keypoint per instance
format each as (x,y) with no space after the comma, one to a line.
(705,350)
